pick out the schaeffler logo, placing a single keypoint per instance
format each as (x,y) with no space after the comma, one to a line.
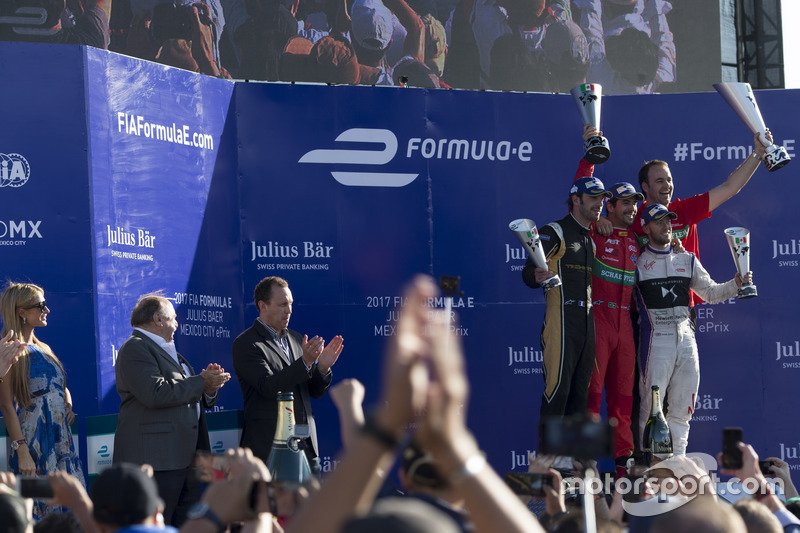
(362,157)
(14,170)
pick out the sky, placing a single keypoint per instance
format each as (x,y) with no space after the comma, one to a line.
(790,15)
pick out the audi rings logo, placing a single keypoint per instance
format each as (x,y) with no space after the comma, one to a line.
(362,157)
(14,170)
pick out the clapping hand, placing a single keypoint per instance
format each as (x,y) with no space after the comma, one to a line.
(312,349)
(330,354)
(214,377)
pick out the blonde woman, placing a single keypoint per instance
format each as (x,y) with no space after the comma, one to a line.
(34,399)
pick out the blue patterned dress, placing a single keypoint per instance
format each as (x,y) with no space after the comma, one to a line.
(44,425)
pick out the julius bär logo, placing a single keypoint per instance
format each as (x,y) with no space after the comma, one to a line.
(14,170)
(706,408)
(362,157)
(789,352)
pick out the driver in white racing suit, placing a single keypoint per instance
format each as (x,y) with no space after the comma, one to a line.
(667,346)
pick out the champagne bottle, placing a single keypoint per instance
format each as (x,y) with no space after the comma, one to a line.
(657,439)
(287,461)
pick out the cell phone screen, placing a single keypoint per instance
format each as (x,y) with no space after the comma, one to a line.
(210,466)
(34,487)
(731,454)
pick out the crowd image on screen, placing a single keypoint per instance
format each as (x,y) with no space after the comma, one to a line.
(519,45)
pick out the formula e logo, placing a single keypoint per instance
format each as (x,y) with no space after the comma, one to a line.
(14,170)
(363,157)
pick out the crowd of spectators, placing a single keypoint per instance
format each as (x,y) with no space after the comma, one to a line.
(446,485)
(522,45)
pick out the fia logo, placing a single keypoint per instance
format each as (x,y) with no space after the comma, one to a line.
(362,157)
(14,170)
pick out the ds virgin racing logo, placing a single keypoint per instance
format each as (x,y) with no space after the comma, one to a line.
(363,157)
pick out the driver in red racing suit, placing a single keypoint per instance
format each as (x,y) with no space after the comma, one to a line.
(613,276)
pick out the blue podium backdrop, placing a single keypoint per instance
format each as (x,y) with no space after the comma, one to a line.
(139,177)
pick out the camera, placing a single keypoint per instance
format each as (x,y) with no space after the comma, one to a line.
(577,436)
(529,483)
(211,467)
(37,488)
(764,467)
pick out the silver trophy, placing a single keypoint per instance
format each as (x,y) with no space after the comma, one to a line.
(739,243)
(587,97)
(741,98)
(525,230)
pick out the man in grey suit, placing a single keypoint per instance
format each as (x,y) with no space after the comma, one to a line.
(269,358)
(161,418)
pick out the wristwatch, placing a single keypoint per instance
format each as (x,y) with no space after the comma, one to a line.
(202,510)
(15,444)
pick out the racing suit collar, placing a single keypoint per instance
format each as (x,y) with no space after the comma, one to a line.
(662,252)
(578,223)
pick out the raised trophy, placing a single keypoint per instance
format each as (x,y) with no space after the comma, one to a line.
(587,98)
(525,230)
(739,243)
(741,98)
